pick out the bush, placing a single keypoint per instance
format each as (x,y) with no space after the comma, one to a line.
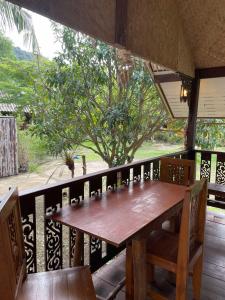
(168,137)
(31,151)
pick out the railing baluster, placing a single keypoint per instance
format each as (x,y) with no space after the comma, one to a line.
(53,231)
(112,181)
(125,176)
(205,168)
(156,170)
(147,171)
(28,214)
(95,253)
(76,194)
(137,173)
(220,168)
(95,186)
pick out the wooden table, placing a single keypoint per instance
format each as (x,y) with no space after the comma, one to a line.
(126,216)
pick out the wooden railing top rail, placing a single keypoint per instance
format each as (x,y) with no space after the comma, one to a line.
(210,151)
(63,184)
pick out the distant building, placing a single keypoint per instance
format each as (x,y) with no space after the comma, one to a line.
(11,109)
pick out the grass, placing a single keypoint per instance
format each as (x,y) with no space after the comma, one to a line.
(147,150)
(32,150)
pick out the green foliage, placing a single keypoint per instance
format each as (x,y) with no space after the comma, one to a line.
(6,47)
(94,95)
(32,151)
(19,80)
(210,134)
(173,132)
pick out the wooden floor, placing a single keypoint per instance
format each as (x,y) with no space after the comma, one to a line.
(213,278)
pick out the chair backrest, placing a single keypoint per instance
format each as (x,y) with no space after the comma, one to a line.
(177,171)
(192,226)
(12,254)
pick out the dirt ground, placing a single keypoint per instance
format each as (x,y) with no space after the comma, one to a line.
(54,171)
(50,172)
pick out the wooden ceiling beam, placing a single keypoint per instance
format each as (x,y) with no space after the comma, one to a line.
(211,72)
(162,78)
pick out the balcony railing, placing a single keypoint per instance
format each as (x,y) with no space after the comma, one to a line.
(48,245)
(211,165)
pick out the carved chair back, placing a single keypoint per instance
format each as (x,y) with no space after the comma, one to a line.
(192,226)
(12,254)
(177,171)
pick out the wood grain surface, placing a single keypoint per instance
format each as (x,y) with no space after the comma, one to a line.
(117,216)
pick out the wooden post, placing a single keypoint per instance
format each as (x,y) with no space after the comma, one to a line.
(139,268)
(78,251)
(192,117)
(84,167)
(8,147)
(121,23)
(129,272)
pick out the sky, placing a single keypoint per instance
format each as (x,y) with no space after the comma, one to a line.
(48,45)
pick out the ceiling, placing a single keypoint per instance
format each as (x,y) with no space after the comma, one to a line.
(181,35)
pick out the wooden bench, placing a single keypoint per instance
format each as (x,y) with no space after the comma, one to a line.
(218,190)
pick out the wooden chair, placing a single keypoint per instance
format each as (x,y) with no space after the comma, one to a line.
(73,283)
(177,171)
(181,253)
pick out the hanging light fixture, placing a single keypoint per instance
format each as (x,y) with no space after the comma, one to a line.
(185,90)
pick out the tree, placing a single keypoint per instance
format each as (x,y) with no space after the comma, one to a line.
(94,98)
(18,79)
(12,15)
(6,47)
(210,133)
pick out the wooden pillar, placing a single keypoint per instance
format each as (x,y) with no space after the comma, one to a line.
(121,23)
(192,117)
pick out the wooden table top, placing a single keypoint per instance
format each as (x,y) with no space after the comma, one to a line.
(116,216)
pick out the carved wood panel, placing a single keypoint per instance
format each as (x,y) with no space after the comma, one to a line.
(95,186)
(95,249)
(28,214)
(111,181)
(53,231)
(220,168)
(205,167)
(125,176)
(137,173)
(155,170)
(147,171)
(76,194)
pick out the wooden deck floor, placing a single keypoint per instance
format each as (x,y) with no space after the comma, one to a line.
(213,278)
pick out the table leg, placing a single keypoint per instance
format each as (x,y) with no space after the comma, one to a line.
(79,247)
(139,268)
(129,272)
